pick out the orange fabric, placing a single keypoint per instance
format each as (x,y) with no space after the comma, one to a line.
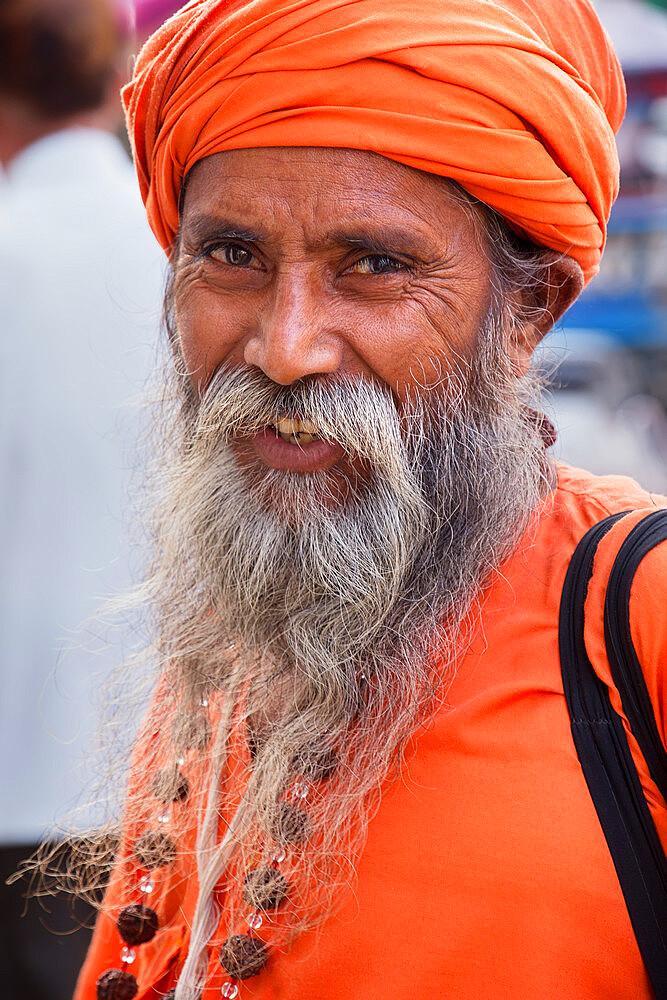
(518,100)
(485,874)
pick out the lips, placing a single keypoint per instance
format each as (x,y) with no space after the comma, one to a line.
(294,445)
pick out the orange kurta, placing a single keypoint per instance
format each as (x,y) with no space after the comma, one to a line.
(486,874)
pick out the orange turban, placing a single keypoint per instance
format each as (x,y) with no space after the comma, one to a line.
(517,100)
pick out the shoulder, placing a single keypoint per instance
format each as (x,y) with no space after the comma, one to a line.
(578,501)
(592,495)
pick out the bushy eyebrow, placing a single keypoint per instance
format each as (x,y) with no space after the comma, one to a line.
(381,240)
(212,227)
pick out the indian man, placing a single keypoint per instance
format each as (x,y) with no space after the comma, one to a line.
(357,777)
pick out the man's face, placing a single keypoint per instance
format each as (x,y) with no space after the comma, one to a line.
(339,288)
(306,262)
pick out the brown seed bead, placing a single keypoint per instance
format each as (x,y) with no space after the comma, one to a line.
(242,956)
(191,732)
(255,743)
(114,984)
(137,924)
(169,785)
(290,825)
(316,764)
(543,426)
(548,432)
(155,850)
(265,888)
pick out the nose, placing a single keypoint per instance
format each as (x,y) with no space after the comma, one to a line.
(294,337)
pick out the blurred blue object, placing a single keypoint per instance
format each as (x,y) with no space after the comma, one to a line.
(628,299)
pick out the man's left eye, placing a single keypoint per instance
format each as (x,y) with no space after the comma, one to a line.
(377,263)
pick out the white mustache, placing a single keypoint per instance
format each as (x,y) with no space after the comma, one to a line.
(359,415)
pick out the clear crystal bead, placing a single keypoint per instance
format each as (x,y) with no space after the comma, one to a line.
(279,856)
(128,955)
(300,789)
(180,761)
(254,920)
(204,703)
(230,990)
(146,885)
(163,817)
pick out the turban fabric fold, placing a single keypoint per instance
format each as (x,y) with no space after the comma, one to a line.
(517,100)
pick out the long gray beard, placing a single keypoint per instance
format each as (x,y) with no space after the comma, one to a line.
(331,612)
(321,585)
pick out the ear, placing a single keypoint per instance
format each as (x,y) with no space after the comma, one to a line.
(542,306)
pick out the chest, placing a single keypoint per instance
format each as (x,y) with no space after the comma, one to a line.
(485,873)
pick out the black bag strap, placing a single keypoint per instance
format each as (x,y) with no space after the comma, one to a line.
(602,747)
(625,667)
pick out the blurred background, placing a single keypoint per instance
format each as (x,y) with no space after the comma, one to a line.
(81,282)
(609,356)
(81,279)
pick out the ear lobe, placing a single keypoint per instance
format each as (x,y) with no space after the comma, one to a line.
(562,282)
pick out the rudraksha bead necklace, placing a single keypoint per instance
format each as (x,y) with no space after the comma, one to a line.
(242,955)
(138,923)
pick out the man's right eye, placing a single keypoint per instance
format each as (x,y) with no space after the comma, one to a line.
(233,254)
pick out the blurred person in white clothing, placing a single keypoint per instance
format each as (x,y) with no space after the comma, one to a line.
(80,285)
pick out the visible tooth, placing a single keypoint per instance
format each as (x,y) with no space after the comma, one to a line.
(294,425)
(306,427)
(297,438)
(285,425)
